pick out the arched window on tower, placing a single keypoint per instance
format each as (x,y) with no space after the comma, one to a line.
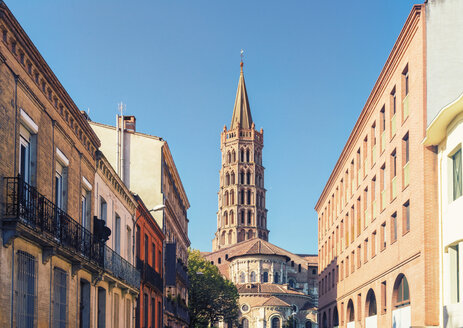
(242,177)
(248,177)
(225,216)
(232,218)
(242,277)
(253,276)
(229,237)
(233,156)
(232,178)
(258,220)
(232,197)
(242,216)
(249,197)
(250,234)
(228,157)
(276,278)
(247,156)
(249,217)
(242,197)
(226,198)
(227,179)
(242,155)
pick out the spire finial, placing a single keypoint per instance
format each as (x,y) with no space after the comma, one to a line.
(241,55)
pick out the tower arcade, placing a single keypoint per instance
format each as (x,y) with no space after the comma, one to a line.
(241,213)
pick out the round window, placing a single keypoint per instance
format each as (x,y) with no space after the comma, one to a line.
(244,308)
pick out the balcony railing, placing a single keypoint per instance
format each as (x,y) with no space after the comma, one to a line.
(149,275)
(182,273)
(24,204)
(177,310)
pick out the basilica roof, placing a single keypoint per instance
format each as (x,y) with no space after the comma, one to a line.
(266,288)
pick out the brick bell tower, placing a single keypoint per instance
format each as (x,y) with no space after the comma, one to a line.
(242,214)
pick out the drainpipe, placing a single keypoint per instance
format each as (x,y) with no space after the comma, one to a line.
(12,284)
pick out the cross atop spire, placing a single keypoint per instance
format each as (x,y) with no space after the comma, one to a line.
(241,112)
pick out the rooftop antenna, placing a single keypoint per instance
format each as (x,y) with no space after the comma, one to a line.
(242,54)
(121,106)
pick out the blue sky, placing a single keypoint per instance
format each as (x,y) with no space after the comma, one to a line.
(309,68)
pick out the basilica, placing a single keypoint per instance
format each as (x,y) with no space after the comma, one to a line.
(274,284)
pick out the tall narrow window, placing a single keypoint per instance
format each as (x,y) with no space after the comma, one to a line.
(457,186)
(393,112)
(383,186)
(247,156)
(137,240)
(365,251)
(25,159)
(26,290)
(59,298)
(382,114)
(383,236)
(393,174)
(383,297)
(406,217)
(454,259)
(394,227)
(406,82)
(129,243)
(373,198)
(116,310)
(249,217)
(373,244)
(249,197)
(117,234)
(153,255)
(373,143)
(145,310)
(153,313)
(406,158)
(103,209)
(146,249)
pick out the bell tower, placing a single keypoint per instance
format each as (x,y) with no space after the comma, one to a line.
(241,214)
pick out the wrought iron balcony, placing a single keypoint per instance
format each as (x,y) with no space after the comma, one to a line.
(183,313)
(149,275)
(51,226)
(182,273)
(177,310)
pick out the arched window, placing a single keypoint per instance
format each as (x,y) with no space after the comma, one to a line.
(242,277)
(242,177)
(225,216)
(253,276)
(227,179)
(335,317)
(276,278)
(249,197)
(232,197)
(241,236)
(248,177)
(222,238)
(242,197)
(232,218)
(350,311)
(401,292)
(265,277)
(226,198)
(250,234)
(233,155)
(242,216)
(228,157)
(371,303)
(275,323)
(242,155)
(299,268)
(324,321)
(291,283)
(229,237)
(244,323)
(247,155)
(232,178)
(258,221)
(249,217)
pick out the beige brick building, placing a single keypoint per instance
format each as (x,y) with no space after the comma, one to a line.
(378,213)
(54,267)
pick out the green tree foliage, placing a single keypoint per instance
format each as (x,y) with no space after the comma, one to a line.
(211,297)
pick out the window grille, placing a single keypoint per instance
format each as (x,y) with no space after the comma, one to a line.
(59,298)
(26,291)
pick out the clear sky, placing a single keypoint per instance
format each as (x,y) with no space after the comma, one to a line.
(309,68)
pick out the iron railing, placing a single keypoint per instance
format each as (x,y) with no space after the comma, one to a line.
(149,275)
(26,205)
(182,273)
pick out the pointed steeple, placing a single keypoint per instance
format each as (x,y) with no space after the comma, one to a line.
(241,112)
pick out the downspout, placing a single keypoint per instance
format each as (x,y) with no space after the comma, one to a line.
(441,249)
(12,284)
(16,77)
(51,290)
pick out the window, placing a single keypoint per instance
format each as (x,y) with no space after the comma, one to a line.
(373,244)
(153,313)
(116,310)
(153,255)
(59,298)
(276,278)
(129,244)
(247,156)
(352,262)
(145,310)
(249,197)
(383,236)
(393,174)
(59,186)
(406,158)
(137,241)
(406,81)
(26,300)
(406,217)
(403,293)
(253,276)
(373,143)
(359,256)
(242,277)
(265,277)
(84,209)
(457,186)
(117,234)
(275,323)
(454,259)
(245,323)
(365,251)
(394,227)
(249,217)
(393,112)
(146,249)
(25,166)
(382,127)
(383,297)
(103,209)
(383,186)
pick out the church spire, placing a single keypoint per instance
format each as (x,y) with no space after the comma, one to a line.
(241,112)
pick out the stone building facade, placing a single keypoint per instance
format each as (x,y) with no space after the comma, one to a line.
(273,284)
(147,167)
(55,269)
